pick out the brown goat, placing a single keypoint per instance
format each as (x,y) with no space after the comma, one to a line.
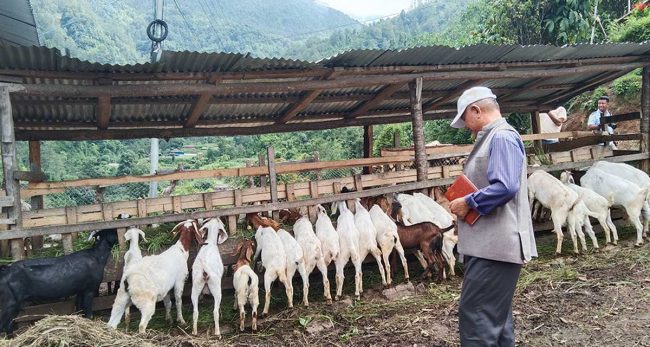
(243,253)
(256,221)
(289,216)
(426,237)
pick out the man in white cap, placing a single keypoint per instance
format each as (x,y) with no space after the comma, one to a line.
(501,241)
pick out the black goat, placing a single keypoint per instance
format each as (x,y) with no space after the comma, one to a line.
(79,274)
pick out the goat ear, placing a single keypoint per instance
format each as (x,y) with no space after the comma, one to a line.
(238,248)
(92,234)
(335,206)
(223,236)
(142,234)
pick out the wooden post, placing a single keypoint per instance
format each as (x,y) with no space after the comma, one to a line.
(262,162)
(317,159)
(535,123)
(273,180)
(645,117)
(367,146)
(36,201)
(421,164)
(9,165)
(311,210)
(251,182)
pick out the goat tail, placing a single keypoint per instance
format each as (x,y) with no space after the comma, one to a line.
(453,225)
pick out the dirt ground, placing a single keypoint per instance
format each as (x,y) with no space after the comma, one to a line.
(599,298)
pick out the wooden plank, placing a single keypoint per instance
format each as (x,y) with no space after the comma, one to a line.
(103,111)
(28,175)
(9,166)
(358,184)
(6,201)
(176,204)
(589,140)
(261,161)
(273,179)
(37,202)
(197,110)
(454,94)
(207,201)
(571,165)
(384,94)
(562,135)
(621,117)
(645,119)
(7,221)
(291,195)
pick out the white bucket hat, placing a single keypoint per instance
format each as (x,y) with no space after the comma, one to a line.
(469,97)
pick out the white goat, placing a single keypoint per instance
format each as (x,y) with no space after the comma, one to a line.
(388,239)
(597,204)
(634,175)
(150,279)
(295,261)
(558,198)
(367,239)
(207,271)
(245,282)
(132,255)
(275,263)
(619,192)
(312,251)
(349,243)
(327,235)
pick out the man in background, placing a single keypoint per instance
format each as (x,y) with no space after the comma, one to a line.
(594,124)
(551,122)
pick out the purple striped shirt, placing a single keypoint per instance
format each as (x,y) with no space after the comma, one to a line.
(504,172)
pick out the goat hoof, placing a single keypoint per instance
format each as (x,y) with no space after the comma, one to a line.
(638,244)
(336,298)
(329,301)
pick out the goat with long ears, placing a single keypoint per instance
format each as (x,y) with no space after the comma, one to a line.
(150,279)
(207,271)
(245,282)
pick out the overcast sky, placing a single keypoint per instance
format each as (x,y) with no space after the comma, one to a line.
(368,9)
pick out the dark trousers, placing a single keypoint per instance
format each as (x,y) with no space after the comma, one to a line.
(485,311)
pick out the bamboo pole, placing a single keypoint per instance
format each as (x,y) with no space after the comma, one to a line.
(645,116)
(37,200)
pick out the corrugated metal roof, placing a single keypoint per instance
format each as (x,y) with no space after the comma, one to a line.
(260,111)
(17,25)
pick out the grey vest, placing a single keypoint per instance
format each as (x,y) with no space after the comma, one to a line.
(506,234)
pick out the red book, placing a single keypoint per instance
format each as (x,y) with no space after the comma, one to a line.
(461,187)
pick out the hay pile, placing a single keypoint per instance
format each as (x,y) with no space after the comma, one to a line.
(77,331)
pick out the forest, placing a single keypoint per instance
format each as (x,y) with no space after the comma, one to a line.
(114,32)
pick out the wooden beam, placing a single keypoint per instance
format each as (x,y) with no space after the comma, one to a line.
(433,104)
(421,164)
(589,141)
(562,96)
(587,163)
(293,111)
(6,201)
(28,175)
(37,201)
(103,111)
(536,123)
(231,172)
(368,145)
(129,90)
(9,166)
(310,96)
(273,179)
(122,223)
(214,129)
(645,116)
(384,94)
(534,84)
(197,110)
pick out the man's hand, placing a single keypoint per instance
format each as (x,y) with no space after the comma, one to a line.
(459,207)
